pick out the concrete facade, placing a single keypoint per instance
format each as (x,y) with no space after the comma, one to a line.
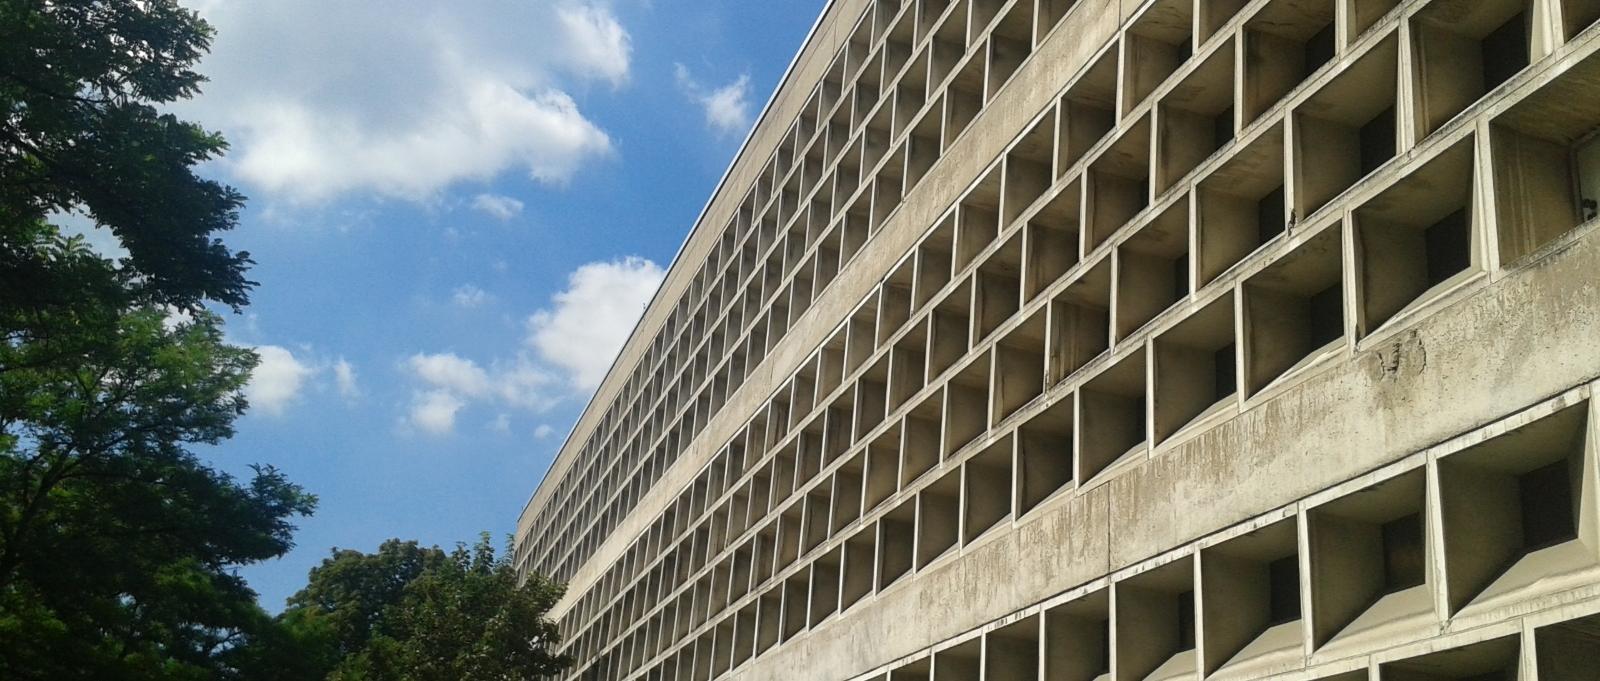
(1118,340)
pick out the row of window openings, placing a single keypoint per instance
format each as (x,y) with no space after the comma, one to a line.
(1319,50)
(1447,255)
(1445,249)
(814,537)
(792,312)
(1061,13)
(1369,558)
(1323,312)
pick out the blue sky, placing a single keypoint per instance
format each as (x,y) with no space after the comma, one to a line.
(457,211)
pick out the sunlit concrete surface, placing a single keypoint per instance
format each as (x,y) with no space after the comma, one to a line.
(1118,341)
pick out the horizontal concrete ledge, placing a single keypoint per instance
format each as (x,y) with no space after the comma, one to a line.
(1529,336)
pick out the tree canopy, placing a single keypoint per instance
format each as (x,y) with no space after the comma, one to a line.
(80,86)
(408,613)
(118,545)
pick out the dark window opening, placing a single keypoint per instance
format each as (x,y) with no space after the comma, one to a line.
(1546,507)
(1449,246)
(1320,48)
(1225,382)
(1377,141)
(1186,621)
(1505,51)
(1222,128)
(1404,557)
(1180,276)
(1586,166)
(1269,215)
(1327,316)
(1284,597)
(1103,633)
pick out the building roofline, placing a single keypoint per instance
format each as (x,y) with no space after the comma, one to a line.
(568,450)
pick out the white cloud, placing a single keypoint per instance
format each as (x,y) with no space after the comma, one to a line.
(403,98)
(277,381)
(568,348)
(467,295)
(450,372)
(522,382)
(543,431)
(515,383)
(596,43)
(499,207)
(434,411)
(727,108)
(593,317)
(344,377)
(295,150)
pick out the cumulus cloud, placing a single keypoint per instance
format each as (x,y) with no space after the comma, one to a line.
(727,108)
(434,411)
(469,296)
(284,377)
(499,207)
(450,372)
(518,382)
(403,98)
(596,43)
(565,354)
(277,381)
(294,150)
(543,431)
(344,378)
(592,318)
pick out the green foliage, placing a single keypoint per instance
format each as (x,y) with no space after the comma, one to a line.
(118,546)
(349,592)
(79,130)
(408,613)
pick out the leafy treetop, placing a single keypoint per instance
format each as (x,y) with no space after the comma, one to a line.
(80,82)
(407,613)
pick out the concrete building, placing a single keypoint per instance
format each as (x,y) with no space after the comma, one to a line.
(1118,341)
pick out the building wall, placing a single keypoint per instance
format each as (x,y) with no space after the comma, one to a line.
(1127,341)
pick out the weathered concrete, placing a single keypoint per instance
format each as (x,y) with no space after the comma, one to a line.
(1155,426)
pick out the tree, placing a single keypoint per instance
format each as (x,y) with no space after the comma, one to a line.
(118,546)
(408,613)
(349,592)
(116,543)
(80,81)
